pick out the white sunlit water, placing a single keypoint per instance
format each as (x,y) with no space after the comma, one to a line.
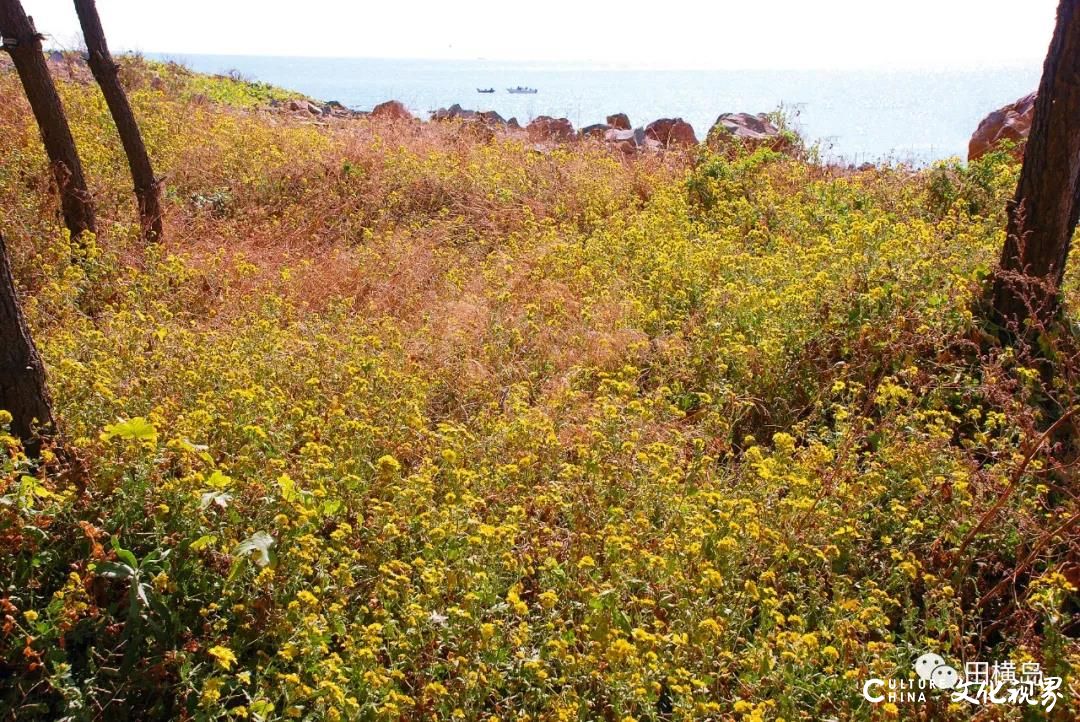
(858,116)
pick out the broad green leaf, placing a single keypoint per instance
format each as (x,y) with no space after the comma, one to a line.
(114,570)
(33,485)
(125,555)
(219,480)
(261,709)
(288,487)
(135,429)
(202,542)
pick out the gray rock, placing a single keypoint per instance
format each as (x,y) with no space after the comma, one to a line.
(746,126)
(619,121)
(597,130)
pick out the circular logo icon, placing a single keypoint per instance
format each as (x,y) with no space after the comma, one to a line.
(932,668)
(944,677)
(926,664)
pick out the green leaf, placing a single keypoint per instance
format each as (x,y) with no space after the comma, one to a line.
(288,487)
(125,555)
(202,542)
(219,480)
(259,542)
(261,709)
(136,429)
(114,570)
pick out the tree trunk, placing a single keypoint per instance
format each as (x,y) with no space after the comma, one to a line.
(22,376)
(23,43)
(1043,214)
(147,190)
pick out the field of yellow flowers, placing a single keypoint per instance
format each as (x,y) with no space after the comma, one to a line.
(403,422)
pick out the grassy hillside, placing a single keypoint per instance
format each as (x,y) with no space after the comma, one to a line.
(403,422)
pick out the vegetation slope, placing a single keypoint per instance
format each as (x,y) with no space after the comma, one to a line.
(406,422)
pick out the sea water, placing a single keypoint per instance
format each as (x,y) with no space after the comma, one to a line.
(856,115)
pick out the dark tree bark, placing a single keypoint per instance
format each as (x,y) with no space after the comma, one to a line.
(23,43)
(23,393)
(147,189)
(1043,214)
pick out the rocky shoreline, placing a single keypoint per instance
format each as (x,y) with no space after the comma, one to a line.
(664,133)
(1010,124)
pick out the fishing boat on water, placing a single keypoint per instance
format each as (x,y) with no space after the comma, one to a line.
(485,90)
(522,90)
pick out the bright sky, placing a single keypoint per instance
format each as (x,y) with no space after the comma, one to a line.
(711,34)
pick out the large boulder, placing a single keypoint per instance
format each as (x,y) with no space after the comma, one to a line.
(484,123)
(748,129)
(626,141)
(304,106)
(391,110)
(335,109)
(671,132)
(454,112)
(492,118)
(615,135)
(487,120)
(619,121)
(1013,122)
(546,128)
(596,130)
(631,141)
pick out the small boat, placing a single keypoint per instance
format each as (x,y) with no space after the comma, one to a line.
(485,90)
(521,89)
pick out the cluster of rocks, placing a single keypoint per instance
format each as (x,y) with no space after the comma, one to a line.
(489,118)
(68,67)
(307,108)
(618,132)
(1011,123)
